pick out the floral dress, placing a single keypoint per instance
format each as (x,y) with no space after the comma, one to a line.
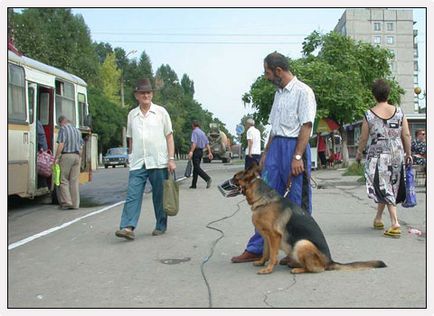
(418,148)
(384,166)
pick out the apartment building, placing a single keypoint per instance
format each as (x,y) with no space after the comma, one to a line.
(391,29)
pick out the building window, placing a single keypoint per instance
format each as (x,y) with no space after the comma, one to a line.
(377,26)
(415,53)
(377,39)
(392,66)
(390,40)
(415,79)
(416,66)
(390,26)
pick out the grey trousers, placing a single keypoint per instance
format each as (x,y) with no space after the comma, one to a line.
(69,180)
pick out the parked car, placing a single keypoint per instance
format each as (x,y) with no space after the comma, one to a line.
(116,156)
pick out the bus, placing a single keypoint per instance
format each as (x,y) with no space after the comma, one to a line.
(37,91)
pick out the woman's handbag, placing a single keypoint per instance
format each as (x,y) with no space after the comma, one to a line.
(171,196)
(410,187)
(188,169)
(45,163)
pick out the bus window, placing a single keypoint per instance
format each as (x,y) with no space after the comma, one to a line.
(44,108)
(16,95)
(81,109)
(65,101)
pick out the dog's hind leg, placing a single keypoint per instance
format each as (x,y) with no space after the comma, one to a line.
(309,257)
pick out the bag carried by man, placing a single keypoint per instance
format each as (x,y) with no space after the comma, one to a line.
(188,169)
(410,187)
(171,196)
(45,162)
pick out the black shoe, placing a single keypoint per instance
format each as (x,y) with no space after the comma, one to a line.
(158,232)
(208,183)
(192,187)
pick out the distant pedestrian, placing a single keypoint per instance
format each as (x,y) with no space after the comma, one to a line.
(198,142)
(322,148)
(68,155)
(287,153)
(418,147)
(151,148)
(384,167)
(253,150)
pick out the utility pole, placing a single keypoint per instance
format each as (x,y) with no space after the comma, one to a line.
(122,79)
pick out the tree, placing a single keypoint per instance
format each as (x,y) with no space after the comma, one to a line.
(58,38)
(341,74)
(108,119)
(111,75)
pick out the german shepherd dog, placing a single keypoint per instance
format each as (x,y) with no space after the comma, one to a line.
(284,225)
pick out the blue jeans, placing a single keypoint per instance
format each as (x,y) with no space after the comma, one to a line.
(275,174)
(133,203)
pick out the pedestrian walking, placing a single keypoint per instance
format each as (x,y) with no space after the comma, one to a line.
(68,156)
(322,148)
(198,142)
(151,148)
(388,129)
(287,153)
(253,150)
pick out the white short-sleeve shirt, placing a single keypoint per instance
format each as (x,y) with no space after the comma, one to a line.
(293,106)
(148,133)
(255,135)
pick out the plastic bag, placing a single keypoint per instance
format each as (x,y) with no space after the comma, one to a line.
(44,163)
(171,196)
(188,169)
(410,187)
(56,174)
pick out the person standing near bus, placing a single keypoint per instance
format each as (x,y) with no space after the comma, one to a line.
(68,156)
(152,149)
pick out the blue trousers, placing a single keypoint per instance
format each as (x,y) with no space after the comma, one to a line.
(276,170)
(133,203)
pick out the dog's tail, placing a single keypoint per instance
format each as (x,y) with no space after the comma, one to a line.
(357,265)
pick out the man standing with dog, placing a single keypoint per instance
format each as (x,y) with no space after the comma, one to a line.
(286,162)
(151,148)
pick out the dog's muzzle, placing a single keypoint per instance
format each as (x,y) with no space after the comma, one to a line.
(229,189)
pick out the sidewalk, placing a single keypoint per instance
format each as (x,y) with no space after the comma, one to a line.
(87,266)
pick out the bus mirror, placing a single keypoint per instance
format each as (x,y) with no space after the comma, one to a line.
(88,121)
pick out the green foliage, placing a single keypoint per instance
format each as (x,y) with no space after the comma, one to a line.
(56,37)
(341,75)
(108,119)
(356,169)
(111,75)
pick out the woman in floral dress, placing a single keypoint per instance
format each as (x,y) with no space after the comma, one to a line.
(388,130)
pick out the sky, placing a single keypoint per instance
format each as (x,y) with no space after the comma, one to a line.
(220,49)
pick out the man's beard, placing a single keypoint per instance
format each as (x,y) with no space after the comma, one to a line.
(277,81)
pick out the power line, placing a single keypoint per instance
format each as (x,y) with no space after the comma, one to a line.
(205,42)
(201,34)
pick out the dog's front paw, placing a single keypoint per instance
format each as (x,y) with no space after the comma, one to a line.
(259,263)
(266,270)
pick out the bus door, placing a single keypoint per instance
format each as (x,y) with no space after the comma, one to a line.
(33,141)
(45,116)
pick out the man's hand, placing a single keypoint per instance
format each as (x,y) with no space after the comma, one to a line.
(210,156)
(297,167)
(171,166)
(190,155)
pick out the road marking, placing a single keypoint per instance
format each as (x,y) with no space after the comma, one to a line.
(51,230)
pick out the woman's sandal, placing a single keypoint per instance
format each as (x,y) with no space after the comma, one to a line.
(378,225)
(394,232)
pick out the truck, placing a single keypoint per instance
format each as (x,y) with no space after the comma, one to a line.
(219,144)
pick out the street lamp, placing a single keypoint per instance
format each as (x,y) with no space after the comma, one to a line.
(122,79)
(418,91)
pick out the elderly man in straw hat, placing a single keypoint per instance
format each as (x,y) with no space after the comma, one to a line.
(151,148)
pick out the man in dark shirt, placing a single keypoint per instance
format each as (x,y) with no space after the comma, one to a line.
(198,142)
(68,155)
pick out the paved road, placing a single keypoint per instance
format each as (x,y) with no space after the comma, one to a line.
(84,265)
